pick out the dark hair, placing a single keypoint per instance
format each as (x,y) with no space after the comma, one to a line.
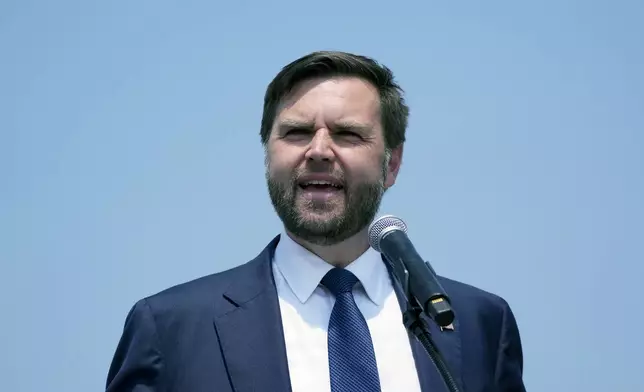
(394,111)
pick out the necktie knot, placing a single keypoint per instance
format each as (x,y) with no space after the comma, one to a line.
(339,280)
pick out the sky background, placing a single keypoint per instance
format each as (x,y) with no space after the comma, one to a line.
(130,161)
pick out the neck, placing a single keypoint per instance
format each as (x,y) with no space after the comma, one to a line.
(340,254)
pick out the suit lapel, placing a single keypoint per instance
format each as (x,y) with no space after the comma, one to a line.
(447,341)
(249,327)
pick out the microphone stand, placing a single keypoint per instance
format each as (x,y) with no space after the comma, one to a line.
(418,327)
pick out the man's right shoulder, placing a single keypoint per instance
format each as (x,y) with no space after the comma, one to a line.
(197,296)
(200,296)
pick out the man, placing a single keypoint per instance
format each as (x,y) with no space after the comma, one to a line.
(316,309)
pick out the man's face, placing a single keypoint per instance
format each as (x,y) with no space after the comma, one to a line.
(327,168)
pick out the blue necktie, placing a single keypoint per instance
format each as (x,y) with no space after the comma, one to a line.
(352,361)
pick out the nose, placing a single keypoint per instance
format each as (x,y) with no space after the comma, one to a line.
(320,147)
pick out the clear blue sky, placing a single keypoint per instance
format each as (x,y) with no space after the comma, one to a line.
(130,161)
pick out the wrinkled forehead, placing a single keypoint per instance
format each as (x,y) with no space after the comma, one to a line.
(343,99)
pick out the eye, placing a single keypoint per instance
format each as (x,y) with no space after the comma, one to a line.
(346,134)
(297,132)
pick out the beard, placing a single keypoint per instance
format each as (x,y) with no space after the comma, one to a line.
(330,222)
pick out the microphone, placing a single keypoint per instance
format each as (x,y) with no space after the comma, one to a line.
(388,235)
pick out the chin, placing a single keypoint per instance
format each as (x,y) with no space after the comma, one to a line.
(308,214)
(308,207)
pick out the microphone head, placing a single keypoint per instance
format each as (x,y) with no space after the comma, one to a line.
(382,226)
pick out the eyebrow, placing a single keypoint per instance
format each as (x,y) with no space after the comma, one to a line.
(288,124)
(353,126)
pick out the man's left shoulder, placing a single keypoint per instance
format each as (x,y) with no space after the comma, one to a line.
(467,297)
(489,332)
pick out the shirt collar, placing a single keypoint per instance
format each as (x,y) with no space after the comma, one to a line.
(303,270)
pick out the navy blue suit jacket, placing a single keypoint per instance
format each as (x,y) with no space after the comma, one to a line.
(223,332)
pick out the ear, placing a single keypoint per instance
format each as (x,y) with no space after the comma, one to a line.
(394,166)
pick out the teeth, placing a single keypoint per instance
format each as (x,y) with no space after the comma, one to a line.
(321,183)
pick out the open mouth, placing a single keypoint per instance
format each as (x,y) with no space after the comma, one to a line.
(320,185)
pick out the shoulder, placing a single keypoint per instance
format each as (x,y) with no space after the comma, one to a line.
(467,292)
(483,305)
(199,297)
(199,294)
(487,322)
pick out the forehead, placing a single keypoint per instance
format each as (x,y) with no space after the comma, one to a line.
(332,99)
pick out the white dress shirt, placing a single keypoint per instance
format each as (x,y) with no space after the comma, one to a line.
(306,307)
